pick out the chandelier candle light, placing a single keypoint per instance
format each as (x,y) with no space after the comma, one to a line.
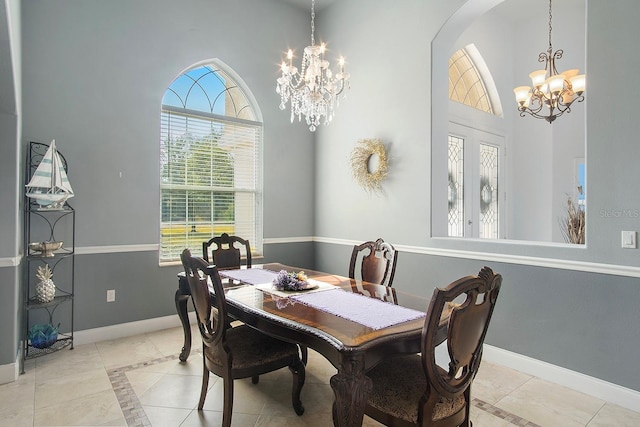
(314,90)
(553,93)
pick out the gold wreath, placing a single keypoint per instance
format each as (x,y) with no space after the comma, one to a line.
(369,180)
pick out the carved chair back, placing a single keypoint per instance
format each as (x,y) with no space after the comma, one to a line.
(378,262)
(226,251)
(211,314)
(471,301)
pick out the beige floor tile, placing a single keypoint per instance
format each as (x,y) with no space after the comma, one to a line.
(17,399)
(65,362)
(282,375)
(63,389)
(317,399)
(278,403)
(483,419)
(319,369)
(548,404)
(20,415)
(166,417)
(193,366)
(248,398)
(174,391)
(614,415)
(214,418)
(370,422)
(305,420)
(127,351)
(91,410)
(169,341)
(494,382)
(142,381)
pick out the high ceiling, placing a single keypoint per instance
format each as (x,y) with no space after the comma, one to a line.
(513,10)
(306,4)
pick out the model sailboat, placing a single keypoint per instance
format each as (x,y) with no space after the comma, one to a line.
(49,185)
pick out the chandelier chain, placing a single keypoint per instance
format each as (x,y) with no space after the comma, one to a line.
(550,27)
(313,19)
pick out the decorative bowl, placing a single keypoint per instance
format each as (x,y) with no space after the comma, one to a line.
(43,336)
(46,248)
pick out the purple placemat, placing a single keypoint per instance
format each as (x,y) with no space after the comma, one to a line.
(370,312)
(252,276)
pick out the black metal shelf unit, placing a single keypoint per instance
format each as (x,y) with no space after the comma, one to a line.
(47,225)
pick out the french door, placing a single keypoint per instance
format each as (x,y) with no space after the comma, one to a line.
(475,194)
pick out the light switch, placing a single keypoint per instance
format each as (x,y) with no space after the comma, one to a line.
(629,239)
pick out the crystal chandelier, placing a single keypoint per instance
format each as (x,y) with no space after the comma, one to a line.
(314,90)
(553,93)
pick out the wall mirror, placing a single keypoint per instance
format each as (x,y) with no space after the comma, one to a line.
(495,174)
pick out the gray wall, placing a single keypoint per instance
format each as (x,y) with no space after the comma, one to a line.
(93,76)
(10,214)
(579,320)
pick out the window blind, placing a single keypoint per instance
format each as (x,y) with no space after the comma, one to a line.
(210,180)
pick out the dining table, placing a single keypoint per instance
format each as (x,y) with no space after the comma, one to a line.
(352,323)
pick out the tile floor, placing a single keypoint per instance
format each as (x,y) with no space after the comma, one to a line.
(138,381)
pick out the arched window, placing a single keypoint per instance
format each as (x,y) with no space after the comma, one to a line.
(210,161)
(470,81)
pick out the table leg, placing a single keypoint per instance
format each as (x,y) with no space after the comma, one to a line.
(181,306)
(351,388)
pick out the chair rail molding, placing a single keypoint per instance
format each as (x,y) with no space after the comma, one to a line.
(563,264)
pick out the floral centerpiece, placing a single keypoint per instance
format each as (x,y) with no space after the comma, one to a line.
(286,281)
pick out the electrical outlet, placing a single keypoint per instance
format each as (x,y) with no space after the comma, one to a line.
(629,240)
(111,295)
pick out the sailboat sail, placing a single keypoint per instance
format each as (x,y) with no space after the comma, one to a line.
(49,185)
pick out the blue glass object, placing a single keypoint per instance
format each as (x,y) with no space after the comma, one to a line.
(43,336)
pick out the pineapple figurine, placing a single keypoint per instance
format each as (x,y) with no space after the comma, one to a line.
(45,288)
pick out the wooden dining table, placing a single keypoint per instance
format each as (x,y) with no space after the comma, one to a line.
(352,347)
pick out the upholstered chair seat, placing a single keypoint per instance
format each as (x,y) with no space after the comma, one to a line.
(252,349)
(397,390)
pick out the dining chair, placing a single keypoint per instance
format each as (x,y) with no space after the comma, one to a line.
(378,266)
(234,352)
(377,262)
(413,390)
(226,251)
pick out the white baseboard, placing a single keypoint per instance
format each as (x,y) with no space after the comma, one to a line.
(122,330)
(592,386)
(9,372)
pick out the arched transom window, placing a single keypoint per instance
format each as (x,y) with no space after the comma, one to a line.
(470,82)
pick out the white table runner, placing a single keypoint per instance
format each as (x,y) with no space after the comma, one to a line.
(252,276)
(371,312)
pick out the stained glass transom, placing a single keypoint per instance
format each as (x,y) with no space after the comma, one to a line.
(465,83)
